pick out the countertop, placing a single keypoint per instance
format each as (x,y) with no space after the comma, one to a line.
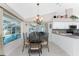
(66,34)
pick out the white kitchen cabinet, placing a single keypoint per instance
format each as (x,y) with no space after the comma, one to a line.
(64,25)
(68,44)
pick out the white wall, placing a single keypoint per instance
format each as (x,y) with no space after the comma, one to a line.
(23,27)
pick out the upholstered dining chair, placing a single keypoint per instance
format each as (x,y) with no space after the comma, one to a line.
(44,38)
(44,43)
(25,41)
(35,43)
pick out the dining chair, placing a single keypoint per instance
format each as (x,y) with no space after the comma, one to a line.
(35,43)
(45,42)
(25,41)
(35,47)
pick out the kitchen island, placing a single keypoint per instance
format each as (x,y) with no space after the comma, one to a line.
(68,42)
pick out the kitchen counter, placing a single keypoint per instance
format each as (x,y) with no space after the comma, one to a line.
(67,42)
(72,36)
(66,34)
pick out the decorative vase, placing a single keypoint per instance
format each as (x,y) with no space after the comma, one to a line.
(54,17)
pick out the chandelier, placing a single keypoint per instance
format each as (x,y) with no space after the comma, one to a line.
(38,18)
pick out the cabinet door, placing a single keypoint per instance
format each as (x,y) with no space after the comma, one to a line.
(60,25)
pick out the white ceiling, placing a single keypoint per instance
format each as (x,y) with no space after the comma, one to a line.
(28,10)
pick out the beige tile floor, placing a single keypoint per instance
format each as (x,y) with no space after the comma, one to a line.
(54,51)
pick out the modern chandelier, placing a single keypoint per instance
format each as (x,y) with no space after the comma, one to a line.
(38,18)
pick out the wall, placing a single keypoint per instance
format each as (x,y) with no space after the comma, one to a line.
(14,44)
(1,33)
(25,28)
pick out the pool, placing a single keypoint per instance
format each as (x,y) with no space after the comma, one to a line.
(11,37)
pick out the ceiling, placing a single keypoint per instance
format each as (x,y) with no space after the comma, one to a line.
(28,10)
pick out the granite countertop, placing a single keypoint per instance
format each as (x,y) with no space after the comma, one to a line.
(72,36)
(66,34)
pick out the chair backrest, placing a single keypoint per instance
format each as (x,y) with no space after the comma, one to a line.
(24,37)
(43,35)
(34,37)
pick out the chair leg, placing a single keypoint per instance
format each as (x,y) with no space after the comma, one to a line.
(39,52)
(41,49)
(23,48)
(48,47)
(29,54)
(29,51)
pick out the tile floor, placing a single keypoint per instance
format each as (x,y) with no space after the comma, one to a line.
(54,51)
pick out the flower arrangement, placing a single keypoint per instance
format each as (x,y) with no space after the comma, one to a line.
(74,17)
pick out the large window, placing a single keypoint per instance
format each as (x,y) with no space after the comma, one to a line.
(37,27)
(11,29)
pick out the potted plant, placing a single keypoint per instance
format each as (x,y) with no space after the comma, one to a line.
(74,17)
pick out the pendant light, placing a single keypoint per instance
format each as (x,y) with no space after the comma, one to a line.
(38,18)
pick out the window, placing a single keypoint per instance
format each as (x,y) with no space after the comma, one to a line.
(11,29)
